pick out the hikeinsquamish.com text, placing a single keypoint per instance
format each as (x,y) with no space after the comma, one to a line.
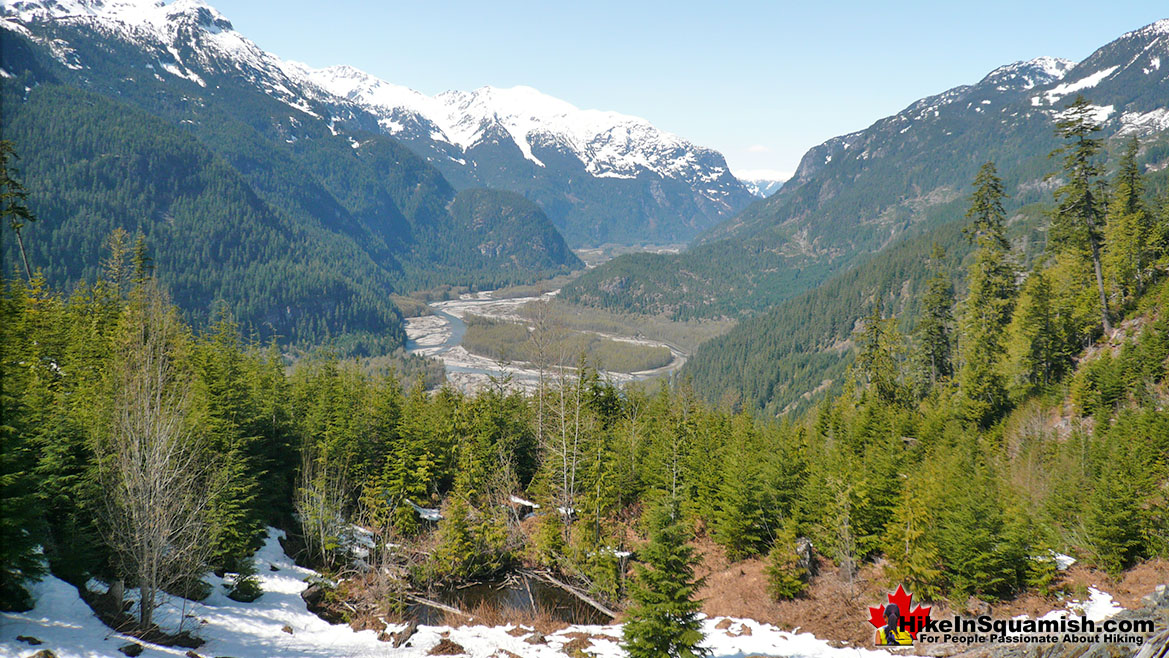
(985,629)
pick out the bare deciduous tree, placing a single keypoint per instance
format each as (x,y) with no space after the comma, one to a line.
(320,503)
(152,472)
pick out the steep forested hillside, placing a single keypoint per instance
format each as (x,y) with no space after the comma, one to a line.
(94,165)
(861,193)
(788,357)
(303,231)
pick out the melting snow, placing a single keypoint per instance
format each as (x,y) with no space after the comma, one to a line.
(66,626)
(1144,123)
(520,501)
(1054,94)
(1099,113)
(1098,607)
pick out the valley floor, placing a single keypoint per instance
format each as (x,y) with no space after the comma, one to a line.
(440,334)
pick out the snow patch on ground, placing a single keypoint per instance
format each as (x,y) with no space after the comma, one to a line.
(66,626)
(1097,113)
(1098,607)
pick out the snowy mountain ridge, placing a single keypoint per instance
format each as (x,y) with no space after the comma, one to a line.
(1006,80)
(609,144)
(186,36)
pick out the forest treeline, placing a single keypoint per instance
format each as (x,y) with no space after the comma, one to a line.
(956,509)
(965,454)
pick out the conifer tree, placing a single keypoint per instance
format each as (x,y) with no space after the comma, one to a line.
(1042,337)
(234,521)
(1078,220)
(663,618)
(989,301)
(910,544)
(935,326)
(739,523)
(879,351)
(978,558)
(410,470)
(787,578)
(1128,228)
(18,489)
(1113,515)
(12,201)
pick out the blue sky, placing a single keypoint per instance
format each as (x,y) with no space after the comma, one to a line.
(760,81)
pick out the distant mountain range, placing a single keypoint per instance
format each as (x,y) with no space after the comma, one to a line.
(602,177)
(860,193)
(762,186)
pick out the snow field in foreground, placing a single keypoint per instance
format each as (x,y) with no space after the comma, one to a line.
(66,626)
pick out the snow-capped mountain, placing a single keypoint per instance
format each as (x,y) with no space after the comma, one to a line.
(1125,80)
(1000,85)
(469,135)
(762,186)
(1007,115)
(186,39)
(608,144)
(601,176)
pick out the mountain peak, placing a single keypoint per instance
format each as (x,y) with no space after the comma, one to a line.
(1154,29)
(1028,74)
(130,12)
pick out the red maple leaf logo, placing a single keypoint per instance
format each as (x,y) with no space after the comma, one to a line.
(912,621)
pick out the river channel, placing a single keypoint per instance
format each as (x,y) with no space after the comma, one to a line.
(440,335)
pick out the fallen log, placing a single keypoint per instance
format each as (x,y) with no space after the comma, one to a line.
(547,577)
(438,606)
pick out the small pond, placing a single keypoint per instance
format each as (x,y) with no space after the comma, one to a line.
(520,595)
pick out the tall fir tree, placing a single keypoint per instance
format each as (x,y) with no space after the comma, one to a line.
(1128,230)
(1113,519)
(1041,335)
(20,512)
(878,359)
(934,332)
(989,301)
(739,520)
(972,536)
(910,541)
(228,419)
(1078,219)
(13,208)
(663,618)
(787,576)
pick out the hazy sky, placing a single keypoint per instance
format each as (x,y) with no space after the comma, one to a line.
(760,81)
